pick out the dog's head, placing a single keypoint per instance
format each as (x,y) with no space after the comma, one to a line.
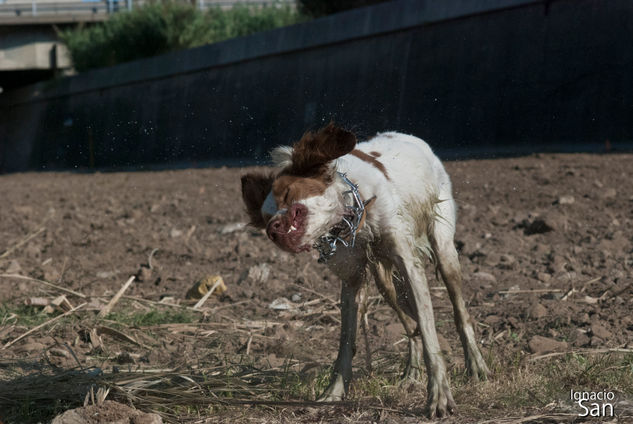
(300,202)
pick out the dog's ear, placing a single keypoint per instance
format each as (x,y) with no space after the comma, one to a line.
(255,188)
(318,148)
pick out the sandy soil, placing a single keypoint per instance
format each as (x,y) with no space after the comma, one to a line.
(557,227)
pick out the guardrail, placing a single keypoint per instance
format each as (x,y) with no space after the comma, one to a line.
(15,12)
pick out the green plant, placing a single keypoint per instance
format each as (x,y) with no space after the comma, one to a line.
(163,27)
(154,317)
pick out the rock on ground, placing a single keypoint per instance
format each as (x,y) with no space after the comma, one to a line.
(540,344)
(109,412)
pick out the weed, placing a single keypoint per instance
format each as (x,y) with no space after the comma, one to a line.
(27,316)
(159,28)
(154,317)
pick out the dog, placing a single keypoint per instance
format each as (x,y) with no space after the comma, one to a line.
(377,208)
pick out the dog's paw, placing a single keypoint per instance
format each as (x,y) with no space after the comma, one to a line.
(411,374)
(335,391)
(440,400)
(476,366)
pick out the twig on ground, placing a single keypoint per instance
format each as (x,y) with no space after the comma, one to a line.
(149,258)
(581,351)
(586,283)
(107,308)
(569,293)
(530,291)
(22,242)
(619,292)
(189,233)
(72,352)
(329,299)
(531,418)
(46,283)
(248,344)
(61,274)
(120,335)
(34,329)
(209,293)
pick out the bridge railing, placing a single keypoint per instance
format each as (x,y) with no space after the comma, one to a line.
(100,9)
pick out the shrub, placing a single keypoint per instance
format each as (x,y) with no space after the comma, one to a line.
(162,27)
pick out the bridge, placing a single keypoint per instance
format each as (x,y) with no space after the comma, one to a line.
(30,50)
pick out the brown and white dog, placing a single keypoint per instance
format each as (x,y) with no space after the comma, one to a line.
(406,212)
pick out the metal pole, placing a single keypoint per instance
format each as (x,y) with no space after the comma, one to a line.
(129,5)
(34,7)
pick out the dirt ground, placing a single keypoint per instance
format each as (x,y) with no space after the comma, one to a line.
(556,230)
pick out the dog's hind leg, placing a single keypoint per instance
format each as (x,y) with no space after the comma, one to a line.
(342,373)
(448,263)
(384,282)
(440,401)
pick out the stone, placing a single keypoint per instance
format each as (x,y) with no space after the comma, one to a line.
(566,200)
(492,319)
(609,193)
(598,330)
(540,345)
(257,274)
(484,276)
(543,277)
(144,274)
(537,311)
(108,412)
(581,339)
(14,267)
(507,262)
(232,227)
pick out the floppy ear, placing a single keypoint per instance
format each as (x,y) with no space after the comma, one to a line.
(317,149)
(255,188)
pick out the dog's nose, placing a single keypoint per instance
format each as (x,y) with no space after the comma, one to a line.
(273,228)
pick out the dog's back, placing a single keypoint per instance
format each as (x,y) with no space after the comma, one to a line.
(412,180)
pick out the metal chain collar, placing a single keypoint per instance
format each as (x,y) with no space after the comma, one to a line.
(346,229)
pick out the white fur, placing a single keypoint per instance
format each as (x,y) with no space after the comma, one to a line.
(281,156)
(414,213)
(323,213)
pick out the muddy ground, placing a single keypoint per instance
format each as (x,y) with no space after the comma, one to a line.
(556,229)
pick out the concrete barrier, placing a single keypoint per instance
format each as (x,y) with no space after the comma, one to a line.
(470,77)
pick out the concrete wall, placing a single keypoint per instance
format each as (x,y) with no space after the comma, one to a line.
(31,48)
(468,76)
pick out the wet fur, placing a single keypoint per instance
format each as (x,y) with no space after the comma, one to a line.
(411,218)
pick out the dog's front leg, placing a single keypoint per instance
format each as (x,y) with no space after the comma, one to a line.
(342,373)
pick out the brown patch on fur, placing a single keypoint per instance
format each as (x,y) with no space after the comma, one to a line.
(255,188)
(315,150)
(309,173)
(288,189)
(370,159)
(375,154)
(368,204)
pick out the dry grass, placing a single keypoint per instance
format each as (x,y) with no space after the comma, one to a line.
(520,390)
(229,385)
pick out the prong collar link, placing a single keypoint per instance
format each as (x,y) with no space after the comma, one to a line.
(345,231)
